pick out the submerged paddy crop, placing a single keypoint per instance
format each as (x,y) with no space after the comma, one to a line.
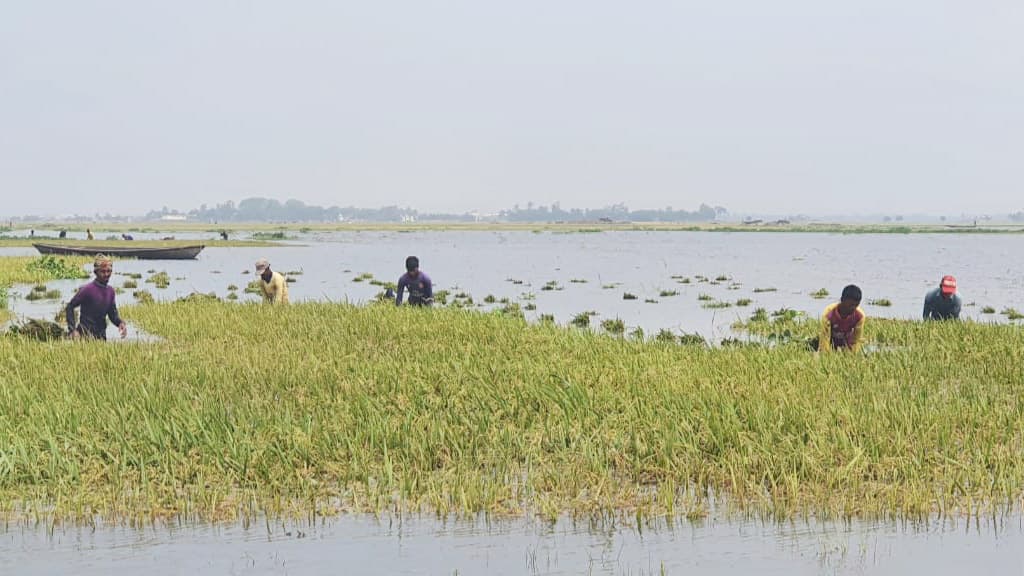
(352,409)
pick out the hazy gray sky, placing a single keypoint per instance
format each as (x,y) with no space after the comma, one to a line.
(782,106)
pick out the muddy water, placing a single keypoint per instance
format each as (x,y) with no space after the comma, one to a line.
(606,265)
(360,545)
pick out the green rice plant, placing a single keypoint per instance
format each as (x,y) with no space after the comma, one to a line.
(884,302)
(650,301)
(551,285)
(143,297)
(637,334)
(759,315)
(744,302)
(581,320)
(547,319)
(289,280)
(722,278)
(668,293)
(705,297)
(159,279)
(363,277)
(232,296)
(50,266)
(988,310)
(628,296)
(665,337)
(232,287)
(578,281)
(614,326)
(683,281)
(785,314)
(530,306)
(490,299)
(440,296)
(130,284)
(1012,314)
(692,340)
(819,293)
(716,305)
(611,286)
(760,290)
(253,287)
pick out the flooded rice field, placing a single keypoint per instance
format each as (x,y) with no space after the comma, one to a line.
(687,282)
(362,545)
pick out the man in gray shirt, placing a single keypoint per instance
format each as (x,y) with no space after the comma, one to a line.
(942,303)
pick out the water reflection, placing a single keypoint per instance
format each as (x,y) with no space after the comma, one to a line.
(421,545)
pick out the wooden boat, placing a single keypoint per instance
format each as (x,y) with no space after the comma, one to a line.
(140,252)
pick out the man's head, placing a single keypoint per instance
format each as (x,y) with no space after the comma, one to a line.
(102,267)
(849,300)
(947,286)
(262,266)
(412,265)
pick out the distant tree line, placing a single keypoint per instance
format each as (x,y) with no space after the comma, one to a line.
(615,212)
(266,209)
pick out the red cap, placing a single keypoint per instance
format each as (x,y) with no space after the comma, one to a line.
(948,285)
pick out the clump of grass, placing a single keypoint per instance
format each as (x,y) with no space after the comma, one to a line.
(819,293)
(130,284)
(665,336)
(1012,314)
(628,296)
(253,287)
(611,286)
(988,310)
(578,281)
(143,296)
(785,314)
(650,301)
(705,297)
(232,296)
(759,315)
(885,302)
(683,281)
(581,320)
(692,340)
(613,326)
(744,302)
(490,299)
(551,285)
(232,287)
(668,293)
(513,280)
(760,290)
(363,277)
(716,305)
(49,266)
(42,294)
(159,279)
(722,278)
(530,306)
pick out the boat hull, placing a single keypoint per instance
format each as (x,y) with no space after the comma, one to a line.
(175,253)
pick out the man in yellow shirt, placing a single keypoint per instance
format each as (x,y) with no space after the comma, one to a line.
(842,323)
(273,284)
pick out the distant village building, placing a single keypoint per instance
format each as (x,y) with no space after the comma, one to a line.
(174,218)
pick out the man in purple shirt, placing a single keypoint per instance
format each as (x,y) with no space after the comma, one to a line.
(97,301)
(421,290)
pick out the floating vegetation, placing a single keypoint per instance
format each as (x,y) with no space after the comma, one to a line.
(988,310)
(1012,314)
(700,278)
(785,314)
(668,293)
(490,299)
(744,302)
(440,296)
(759,315)
(50,266)
(269,236)
(665,336)
(143,297)
(232,296)
(578,281)
(42,330)
(363,277)
(138,276)
(232,287)
(705,297)
(716,305)
(581,320)
(293,273)
(254,287)
(628,296)
(551,285)
(511,309)
(722,278)
(650,301)
(130,284)
(683,281)
(44,294)
(611,286)
(819,293)
(547,319)
(160,279)
(530,306)
(759,290)
(885,302)
(613,326)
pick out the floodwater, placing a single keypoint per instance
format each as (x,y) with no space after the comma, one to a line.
(516,265)
(593,272)
(364,545)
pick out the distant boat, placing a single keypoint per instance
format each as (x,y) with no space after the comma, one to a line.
(142,253)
